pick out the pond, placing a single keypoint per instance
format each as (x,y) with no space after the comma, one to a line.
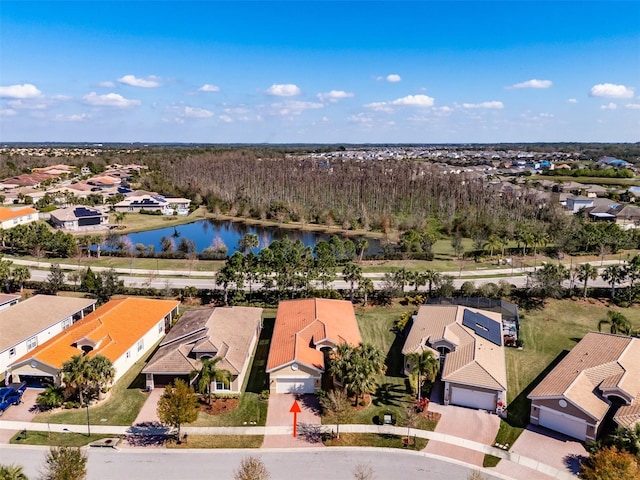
(205,232)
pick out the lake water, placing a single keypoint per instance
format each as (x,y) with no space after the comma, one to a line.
(204,232)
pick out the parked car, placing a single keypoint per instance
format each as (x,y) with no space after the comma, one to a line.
(11,395)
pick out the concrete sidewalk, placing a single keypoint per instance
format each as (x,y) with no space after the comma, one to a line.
(288,430)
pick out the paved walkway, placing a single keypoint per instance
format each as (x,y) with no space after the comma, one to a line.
(279,415)
(148,412)
(287,430)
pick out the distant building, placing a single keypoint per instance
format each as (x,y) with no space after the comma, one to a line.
(79,218)
(138,201)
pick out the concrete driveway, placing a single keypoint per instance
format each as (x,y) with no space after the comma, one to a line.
(547,447)
(148,412)
(278,415)
(470,424)
(24,412)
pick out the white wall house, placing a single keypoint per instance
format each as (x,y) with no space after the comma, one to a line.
(36,320)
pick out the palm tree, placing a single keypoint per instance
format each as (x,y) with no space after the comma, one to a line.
(101,372)
(209,373)
(619,323)
(362,245)
(20,275)
(366,287)
(417,279)
(433,278)
(493,242)
(353,274)
(424,364)
(585,272)
(614,275)
(75,374)
(12,472)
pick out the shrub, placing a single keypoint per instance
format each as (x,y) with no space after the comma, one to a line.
(51,397)
(264,394)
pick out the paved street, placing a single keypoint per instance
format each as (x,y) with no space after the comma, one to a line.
(307,464)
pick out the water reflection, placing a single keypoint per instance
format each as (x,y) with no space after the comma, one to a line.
(207,232)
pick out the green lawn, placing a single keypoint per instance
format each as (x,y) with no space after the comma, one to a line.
(121,408)
(218,441)
(69,439)
(393,394)
(375,440)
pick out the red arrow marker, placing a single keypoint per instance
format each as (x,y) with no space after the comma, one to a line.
(295,409)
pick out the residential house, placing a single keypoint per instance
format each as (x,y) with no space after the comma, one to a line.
(599,377)
(227,333)
(626,216)
(35,321)
(469,344)
(10,217)
(80,218)
(575,203)
(122,330)
(7,300)
(305,333)
(139,200)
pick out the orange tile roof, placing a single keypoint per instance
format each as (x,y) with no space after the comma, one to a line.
(302,324)
(9,213)
(116,325)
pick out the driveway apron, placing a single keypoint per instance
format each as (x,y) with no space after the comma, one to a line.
(278,415)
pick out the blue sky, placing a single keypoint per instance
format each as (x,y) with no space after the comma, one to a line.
(325,72)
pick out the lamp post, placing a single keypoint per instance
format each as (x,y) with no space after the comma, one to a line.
(88,424)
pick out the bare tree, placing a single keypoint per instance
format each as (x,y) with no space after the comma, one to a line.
(251,468)
(363,472)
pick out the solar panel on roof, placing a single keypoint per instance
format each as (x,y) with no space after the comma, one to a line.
(483,326)
(85,212)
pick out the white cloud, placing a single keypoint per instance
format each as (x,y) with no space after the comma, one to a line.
(192,112)
(494,104)
(7,112)
(61,97)
(226,118)
(21,104)
(361,119)
(283,90)
(132,80)
(26,90)
(572,100)
(610,90)
(334,95)
(609,106)
(393,78)
(209,88)
(109,100)
(546,115)
(107,84)
(634,106)
(72,118)
(294,107)
(533,83)
(420,101)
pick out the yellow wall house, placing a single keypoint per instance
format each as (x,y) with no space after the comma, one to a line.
(122,330)
(10,217)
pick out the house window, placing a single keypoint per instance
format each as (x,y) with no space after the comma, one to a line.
(128,355)
(32,343)
(12,352)
(140,345)
(222,385)
(66,323)
(161,327)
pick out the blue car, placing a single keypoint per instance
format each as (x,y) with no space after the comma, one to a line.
(11,395)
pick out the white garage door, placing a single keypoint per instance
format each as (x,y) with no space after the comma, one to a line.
(466,397)
(294,385)
(563,423)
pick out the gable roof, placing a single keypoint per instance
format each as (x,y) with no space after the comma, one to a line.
(302,324)
(224,332)
(600,362)
(114,327)
(10,213)
(76,212)
(477,357)
(31,316)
